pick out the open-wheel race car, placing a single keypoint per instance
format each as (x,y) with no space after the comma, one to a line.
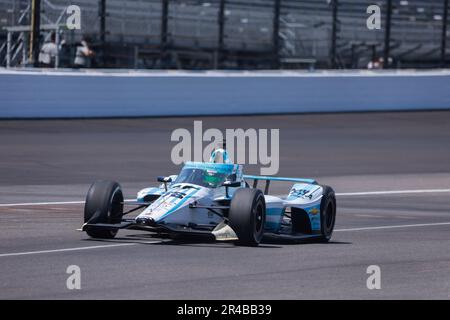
(215,200)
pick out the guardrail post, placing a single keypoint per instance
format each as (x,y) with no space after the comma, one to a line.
(334,5)
(136,57)
(24,48)
(8,49)
(444,33)
(57,48)
(102,15)
(387,35)
(276,36)
(220,42)
(164,23)
(35,31)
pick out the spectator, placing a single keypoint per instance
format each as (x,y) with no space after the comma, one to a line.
(375,64)
(83,54)
(47,55)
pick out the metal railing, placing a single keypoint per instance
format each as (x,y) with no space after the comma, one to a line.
(305,27)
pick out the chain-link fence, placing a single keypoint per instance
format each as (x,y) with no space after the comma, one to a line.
(248,34)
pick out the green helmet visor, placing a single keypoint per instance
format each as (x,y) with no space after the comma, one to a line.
(213,178)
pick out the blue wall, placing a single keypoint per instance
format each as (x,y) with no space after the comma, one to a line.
(28,94)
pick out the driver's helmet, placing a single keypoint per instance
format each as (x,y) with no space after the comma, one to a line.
(211,177)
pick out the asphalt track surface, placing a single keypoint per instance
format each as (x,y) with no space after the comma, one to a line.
(391,172)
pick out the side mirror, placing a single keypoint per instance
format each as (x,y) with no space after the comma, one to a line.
(231,184)
(164,179)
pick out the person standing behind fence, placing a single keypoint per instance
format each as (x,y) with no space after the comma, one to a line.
(83,55)
(48,52)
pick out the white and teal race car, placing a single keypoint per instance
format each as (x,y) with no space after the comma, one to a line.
(214,199)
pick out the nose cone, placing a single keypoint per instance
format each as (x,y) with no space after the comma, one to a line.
(174,201)
(145,221)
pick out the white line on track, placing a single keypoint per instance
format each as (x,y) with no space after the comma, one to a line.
(24,204)
(369,193)
(395,226)
(366,193)
(149,242)
(39,203)
(64,250)
(74,249)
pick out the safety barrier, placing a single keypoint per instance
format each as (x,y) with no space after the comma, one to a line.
(99,93)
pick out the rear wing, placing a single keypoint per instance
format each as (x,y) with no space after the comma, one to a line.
(268,179)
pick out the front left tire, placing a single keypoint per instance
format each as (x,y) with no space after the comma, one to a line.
(104,204)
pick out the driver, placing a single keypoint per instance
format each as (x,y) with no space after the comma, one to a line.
(211,178)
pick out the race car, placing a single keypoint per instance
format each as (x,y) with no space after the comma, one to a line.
(215,200)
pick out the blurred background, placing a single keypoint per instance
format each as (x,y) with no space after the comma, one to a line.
(225,34)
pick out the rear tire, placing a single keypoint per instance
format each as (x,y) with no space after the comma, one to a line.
(104,204)
(327,213)
(247,216)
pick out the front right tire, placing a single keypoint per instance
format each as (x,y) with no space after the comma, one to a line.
(247,216)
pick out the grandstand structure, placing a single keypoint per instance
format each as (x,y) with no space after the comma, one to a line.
(234,34)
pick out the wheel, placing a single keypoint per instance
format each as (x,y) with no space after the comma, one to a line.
(247,216)
(104,204)
(327,213)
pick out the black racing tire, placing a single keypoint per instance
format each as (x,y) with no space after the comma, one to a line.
(104,204)
(327,213)
(247,216)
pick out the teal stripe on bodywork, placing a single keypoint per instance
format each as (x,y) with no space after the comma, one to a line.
(273,212)
(271,226)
